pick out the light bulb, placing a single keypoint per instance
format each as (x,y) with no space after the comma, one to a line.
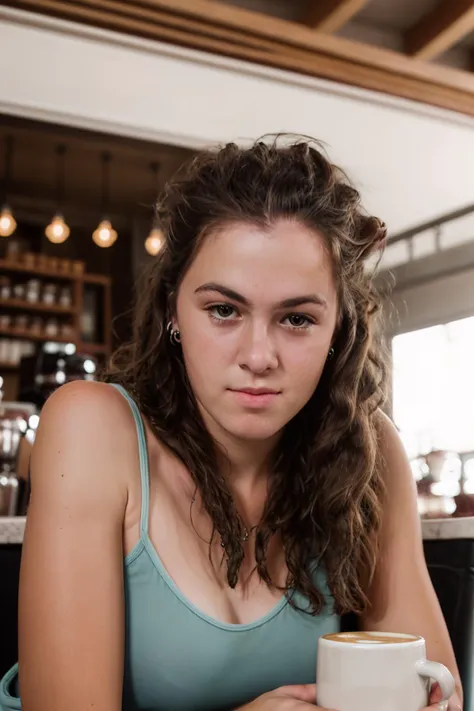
(57,231)
(154,242)
(104,235)
(7,222)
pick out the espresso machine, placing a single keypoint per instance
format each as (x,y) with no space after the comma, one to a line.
(53,365)
(18,423)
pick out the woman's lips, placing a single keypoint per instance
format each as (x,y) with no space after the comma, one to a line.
(255,397)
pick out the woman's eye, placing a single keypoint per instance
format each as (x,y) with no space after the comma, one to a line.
(299,321)
(222,312)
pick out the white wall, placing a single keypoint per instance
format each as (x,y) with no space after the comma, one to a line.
(411,162)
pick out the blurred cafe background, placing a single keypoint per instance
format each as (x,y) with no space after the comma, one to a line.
(101,102)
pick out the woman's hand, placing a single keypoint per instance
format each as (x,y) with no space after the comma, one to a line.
(286,698)
(454,703)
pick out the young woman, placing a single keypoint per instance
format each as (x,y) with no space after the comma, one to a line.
(198,520)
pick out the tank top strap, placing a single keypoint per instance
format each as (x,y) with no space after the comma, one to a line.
(143,458)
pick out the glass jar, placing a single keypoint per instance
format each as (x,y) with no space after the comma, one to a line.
(51,327)
(65,297)
(67,331)
(21,322)
(5,287)
(33,287)
(5,321)
(49,294)
(36,326)
(19,291)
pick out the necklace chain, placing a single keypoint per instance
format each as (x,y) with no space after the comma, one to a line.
(246,532)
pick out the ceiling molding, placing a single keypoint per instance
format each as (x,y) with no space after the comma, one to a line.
(225,30)
(331,15)
(448,23)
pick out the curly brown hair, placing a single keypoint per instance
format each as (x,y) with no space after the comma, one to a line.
(326,494)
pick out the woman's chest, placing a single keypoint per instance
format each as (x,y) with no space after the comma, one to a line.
(198,567)
(177,657)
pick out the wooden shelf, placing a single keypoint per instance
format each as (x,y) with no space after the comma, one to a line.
(99,279)
(92,348)
(5,365)
(27,335)
(9,265)
(38,306)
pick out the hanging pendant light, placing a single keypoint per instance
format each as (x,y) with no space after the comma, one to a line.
(105,235)
(58,231)
(7,221)
(155,241)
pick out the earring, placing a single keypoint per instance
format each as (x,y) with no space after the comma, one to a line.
(330,353)
(174,334)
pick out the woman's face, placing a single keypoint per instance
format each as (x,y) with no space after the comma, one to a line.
(256,311)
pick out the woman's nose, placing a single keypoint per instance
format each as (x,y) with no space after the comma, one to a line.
(258,352)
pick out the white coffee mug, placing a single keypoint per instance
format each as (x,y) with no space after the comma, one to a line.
(377,671)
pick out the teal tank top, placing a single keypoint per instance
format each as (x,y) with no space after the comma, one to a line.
(177,658)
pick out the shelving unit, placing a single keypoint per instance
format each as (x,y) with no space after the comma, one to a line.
(72,274)
(32,336)
(10,265)
(24,305)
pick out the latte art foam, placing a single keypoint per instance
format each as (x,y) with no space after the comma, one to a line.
(370,638)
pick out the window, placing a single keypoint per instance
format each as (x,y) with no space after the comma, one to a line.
(433,398)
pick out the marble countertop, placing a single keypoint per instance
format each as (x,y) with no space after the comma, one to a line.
(12,529)
(448,528)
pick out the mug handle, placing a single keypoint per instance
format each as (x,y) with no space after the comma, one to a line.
(438,672)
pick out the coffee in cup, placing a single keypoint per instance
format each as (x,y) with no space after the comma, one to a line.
(377,671)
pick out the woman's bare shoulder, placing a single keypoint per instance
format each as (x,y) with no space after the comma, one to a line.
(86,438)
(81,400)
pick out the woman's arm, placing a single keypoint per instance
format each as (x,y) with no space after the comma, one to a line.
(402,596)
(71,626)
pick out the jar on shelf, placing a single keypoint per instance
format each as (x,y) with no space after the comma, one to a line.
(67,331)
(33,288)
(42,261)
(14,249)
(21,322)
(49,294)
(78,268)
(65,297)
(14,352)
(4,350)
(51,327)
(19,291)
(5,287)
(27,348)
(65,266)
(36,326)
(29,260)
(5,321)
(53,264)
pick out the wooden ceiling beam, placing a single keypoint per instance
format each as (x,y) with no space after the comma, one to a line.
(217,28)
(330,15)
(440,29)
(296,36)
